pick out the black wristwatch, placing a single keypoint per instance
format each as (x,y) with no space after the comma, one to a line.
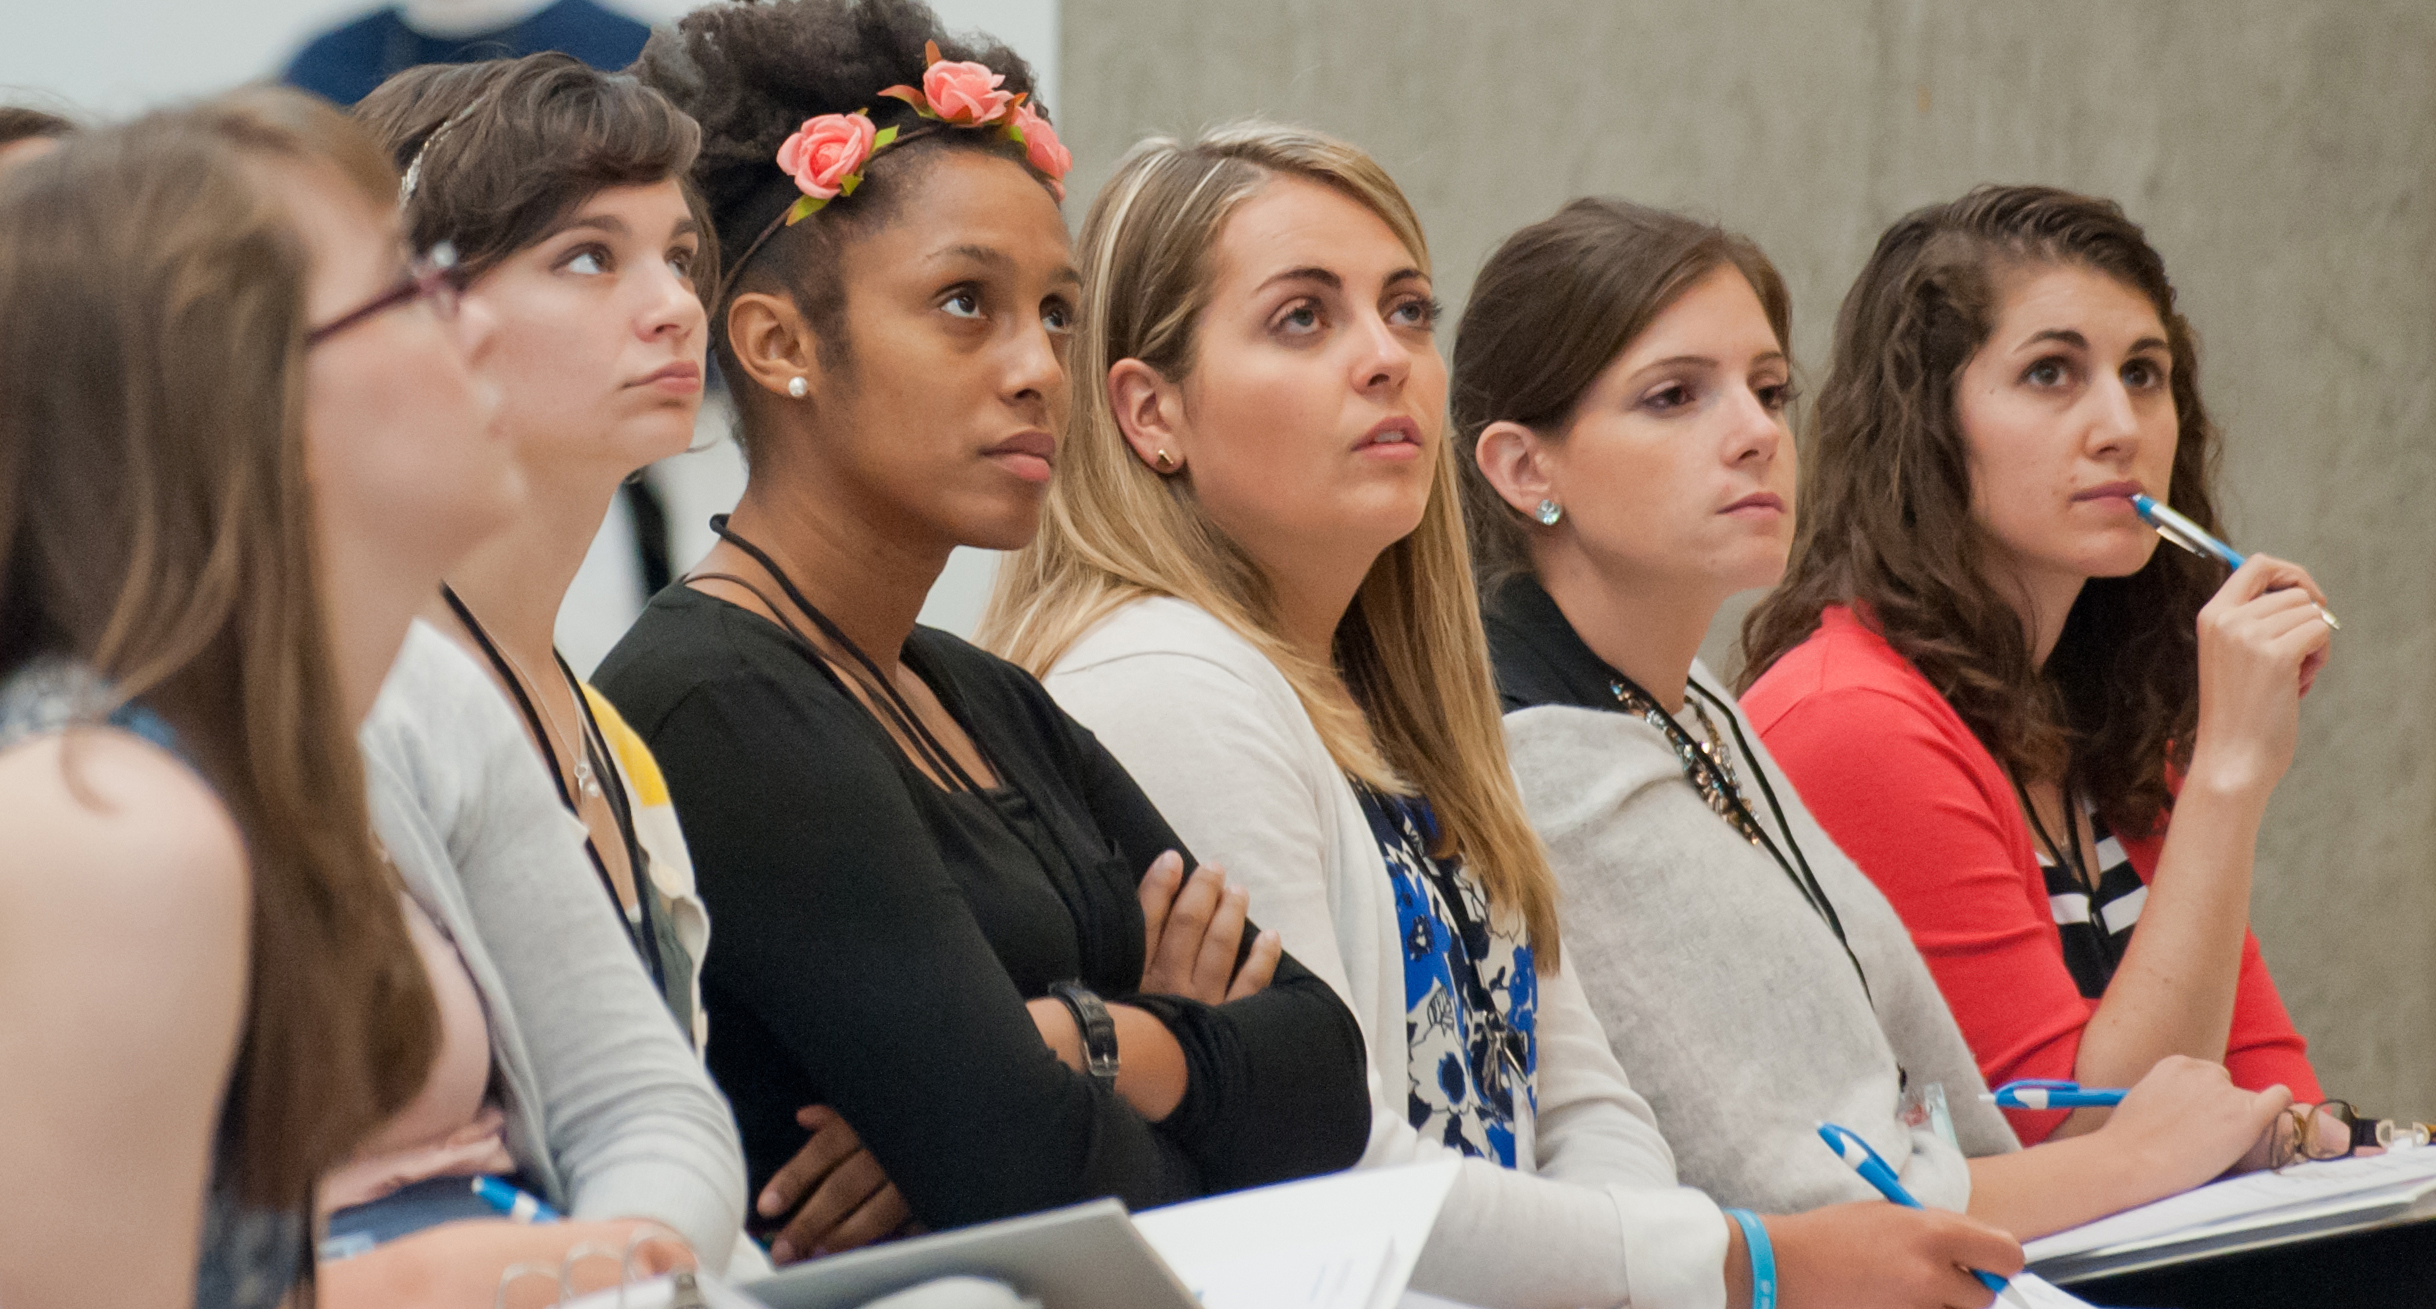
(1099,1030)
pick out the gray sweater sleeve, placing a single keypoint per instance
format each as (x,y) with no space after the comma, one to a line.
(1727,999)
(608,1109)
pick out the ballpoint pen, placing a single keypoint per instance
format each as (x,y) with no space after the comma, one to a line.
(2038,1093)
(2194,538)
(513,1202)
(1873,1170)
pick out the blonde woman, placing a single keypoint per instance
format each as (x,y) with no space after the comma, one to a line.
(1251,583)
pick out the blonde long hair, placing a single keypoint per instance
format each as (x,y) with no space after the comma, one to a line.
(1422,715)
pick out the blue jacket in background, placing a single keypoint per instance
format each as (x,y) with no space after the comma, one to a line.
(346,64)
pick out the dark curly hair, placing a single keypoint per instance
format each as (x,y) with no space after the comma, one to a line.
(1886,509)
(505,150)
(750,74)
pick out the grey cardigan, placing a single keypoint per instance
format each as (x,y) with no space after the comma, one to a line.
(1724,994)
(608,1111)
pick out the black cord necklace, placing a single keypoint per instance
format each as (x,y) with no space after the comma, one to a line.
(2072,860)
(594,764)
(890,704)
(1711,772)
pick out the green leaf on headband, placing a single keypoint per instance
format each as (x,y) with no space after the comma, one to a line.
(851,181)
(912,97)
(804,209)
(887,136)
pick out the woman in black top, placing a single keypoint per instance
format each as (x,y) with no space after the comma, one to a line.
(903,842)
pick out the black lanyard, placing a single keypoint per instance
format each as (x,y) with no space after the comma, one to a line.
(882,698)
(643,935)
(2071,860)
(886,704)
(1714,781)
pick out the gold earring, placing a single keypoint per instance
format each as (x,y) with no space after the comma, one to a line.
(1165,461)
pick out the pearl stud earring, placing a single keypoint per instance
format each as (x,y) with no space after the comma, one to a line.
(1548,513)
(798,387)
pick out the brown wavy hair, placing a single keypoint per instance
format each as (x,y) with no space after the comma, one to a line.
(506,150)
(155,525)
(1886,509)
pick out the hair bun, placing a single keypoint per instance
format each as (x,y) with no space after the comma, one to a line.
(750,74)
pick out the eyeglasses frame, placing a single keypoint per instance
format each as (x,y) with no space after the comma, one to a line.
(432,277)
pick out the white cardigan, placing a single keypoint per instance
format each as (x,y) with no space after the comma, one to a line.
(1213,732)
(1727,995)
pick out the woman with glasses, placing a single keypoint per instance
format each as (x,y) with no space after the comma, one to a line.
(224,489)
(547,924)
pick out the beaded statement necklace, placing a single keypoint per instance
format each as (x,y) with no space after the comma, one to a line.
(1709,767)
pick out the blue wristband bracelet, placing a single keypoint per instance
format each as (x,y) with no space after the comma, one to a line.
(1763,1258)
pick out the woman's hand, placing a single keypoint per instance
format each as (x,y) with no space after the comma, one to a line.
(2329,1138)
(2186,1123)
(840,1196)
(1192,930)
(1875,1255)
(458,1265)
(2261,643)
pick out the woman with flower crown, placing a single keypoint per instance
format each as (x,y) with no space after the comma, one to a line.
(949,922)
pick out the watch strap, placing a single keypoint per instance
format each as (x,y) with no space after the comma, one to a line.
(1098,1029)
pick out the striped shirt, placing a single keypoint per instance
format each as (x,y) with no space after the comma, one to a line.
(2095,935)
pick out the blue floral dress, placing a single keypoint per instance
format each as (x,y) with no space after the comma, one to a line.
(1471,993)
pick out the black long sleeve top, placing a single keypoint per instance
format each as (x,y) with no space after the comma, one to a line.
(875,937)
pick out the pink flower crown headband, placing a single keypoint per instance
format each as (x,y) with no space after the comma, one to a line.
(826,156)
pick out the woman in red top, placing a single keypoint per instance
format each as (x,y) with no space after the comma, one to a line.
(1993,688)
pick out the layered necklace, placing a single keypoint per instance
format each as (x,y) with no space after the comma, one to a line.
(1709,766)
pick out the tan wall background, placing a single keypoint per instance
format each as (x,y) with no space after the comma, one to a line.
(2282,155)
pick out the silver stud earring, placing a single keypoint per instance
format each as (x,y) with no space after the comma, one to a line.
(798,387)
(1548,513)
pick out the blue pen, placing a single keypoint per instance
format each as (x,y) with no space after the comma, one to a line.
(514,1203)
(2196,539)
(1873,1170)
(2039,1093)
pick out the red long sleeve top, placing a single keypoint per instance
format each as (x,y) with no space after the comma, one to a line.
(1904,787)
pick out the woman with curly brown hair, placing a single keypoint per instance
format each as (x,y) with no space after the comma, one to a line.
(1994,689)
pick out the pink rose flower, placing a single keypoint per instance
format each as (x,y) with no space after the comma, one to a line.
(825,151)
(965,93)
(1041,146)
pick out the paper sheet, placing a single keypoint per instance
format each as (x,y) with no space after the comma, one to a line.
(2258,1198)
(2028,1291)
(1310,1277)
(2031,1291)
(655,1294)
(1344,1241)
